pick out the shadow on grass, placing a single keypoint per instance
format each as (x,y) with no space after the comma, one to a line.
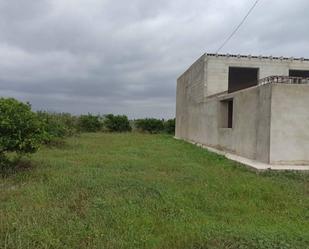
(56,143)
(290,175)
(60,143)
(15,165)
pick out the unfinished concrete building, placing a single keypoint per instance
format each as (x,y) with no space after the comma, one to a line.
(254,107)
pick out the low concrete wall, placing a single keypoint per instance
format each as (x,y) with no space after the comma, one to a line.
(289,142)
(249,137)
(263,124)
(270,124)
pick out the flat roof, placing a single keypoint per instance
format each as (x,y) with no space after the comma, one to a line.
(257,57)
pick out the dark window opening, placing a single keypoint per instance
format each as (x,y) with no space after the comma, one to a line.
(230,114)
(299,73)
(227,107)
(241,78)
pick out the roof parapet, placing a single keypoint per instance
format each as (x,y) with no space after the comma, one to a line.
(258,57)
(283,80)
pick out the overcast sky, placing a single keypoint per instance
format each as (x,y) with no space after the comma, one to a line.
(112,56)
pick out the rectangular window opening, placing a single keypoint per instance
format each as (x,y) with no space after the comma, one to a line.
(241,78)
(299,73)
(227,109)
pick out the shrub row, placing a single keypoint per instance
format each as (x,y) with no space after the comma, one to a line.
(121,123)
(89,123)
(22,130)
(153,126)
(57,126)
(60,125)
(117,123)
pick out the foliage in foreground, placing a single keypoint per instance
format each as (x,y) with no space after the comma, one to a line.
(131,190)
(21,131)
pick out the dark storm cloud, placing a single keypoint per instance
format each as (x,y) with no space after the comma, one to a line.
(124,56)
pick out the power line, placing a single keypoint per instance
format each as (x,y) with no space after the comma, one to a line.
(239,25)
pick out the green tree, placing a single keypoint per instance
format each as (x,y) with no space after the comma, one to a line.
(89,123)
(169,126)
(21,131)
(117,123)
(150,125)
(57,125)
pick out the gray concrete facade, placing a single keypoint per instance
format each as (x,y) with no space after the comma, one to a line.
(270,121)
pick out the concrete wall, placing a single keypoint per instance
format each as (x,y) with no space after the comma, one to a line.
(289,142)
(263,124)
(249,136)
(190,93)
(218,69)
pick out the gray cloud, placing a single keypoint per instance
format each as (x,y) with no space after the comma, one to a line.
(124,56)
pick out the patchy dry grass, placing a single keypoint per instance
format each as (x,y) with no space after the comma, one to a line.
(149,191)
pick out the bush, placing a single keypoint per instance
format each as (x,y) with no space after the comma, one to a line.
(169,126)
(57,125)
(21,131)
(117,123)
(150,125)
(89,123)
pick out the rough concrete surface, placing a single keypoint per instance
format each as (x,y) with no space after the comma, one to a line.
(270,122)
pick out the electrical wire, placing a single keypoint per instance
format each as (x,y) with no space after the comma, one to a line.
(238,27)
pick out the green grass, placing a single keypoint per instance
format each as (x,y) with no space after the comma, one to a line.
(149,191)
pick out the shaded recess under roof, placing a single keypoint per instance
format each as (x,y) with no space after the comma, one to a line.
(241,78)
(299,73)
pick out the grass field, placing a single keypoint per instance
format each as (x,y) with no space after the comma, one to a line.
(149,191)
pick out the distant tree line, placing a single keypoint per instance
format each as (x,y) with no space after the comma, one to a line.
(22,130)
